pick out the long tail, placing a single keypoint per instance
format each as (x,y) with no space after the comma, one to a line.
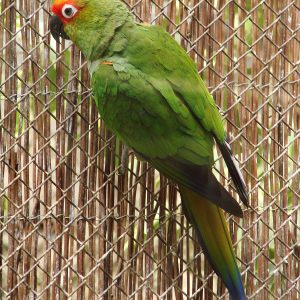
(209,222)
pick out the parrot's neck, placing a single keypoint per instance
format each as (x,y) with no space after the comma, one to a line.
(109,30)
(112,43)
(114,49)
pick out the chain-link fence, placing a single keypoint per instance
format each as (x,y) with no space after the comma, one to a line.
(81,219)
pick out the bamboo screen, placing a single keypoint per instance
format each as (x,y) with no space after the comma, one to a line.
(80,218)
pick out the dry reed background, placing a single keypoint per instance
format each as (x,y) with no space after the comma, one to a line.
(76,224)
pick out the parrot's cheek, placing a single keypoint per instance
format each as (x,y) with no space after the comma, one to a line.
(57,28)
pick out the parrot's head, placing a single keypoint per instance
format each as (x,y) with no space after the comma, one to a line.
(90,24)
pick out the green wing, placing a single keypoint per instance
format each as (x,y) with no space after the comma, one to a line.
(149,117)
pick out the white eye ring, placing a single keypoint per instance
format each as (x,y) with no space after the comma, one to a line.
(68,11)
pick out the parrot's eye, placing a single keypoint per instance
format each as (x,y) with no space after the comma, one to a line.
(68,11)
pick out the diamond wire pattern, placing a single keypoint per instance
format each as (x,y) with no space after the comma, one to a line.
(82,218)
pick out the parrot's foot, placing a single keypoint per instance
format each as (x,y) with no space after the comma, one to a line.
(124,160)
(139,157)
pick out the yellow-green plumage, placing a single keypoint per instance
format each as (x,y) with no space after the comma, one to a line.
(150,95)
(213,235)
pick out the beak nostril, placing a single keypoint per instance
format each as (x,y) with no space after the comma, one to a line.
(57,28)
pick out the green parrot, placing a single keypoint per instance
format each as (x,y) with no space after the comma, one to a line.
(150,95)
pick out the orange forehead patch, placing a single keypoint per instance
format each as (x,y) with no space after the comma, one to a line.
(58,4)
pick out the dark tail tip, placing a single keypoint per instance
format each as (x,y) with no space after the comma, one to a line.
(234,171)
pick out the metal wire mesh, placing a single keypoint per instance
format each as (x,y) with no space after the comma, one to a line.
(79,218)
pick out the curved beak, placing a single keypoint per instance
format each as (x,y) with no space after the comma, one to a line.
(57,28)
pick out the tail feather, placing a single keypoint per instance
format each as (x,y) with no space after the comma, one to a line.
(234,171)
(200,179)
(209,222)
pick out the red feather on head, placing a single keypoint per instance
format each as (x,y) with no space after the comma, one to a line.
(57,9)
